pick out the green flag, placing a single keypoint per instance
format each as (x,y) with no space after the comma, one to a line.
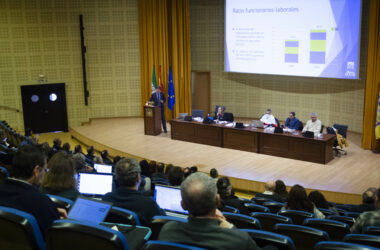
(154,83)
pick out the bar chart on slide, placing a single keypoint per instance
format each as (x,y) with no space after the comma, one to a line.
(291,51)
(318,46)
(293,37)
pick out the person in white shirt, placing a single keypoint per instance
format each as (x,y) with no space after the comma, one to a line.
(268,119)
(314,125)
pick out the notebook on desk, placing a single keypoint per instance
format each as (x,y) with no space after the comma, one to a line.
(169,199)
(94,183)
(257,124)
(88,210)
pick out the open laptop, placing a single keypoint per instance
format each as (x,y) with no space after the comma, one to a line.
(94,183)
(257,124)
(88,210)
(101,168)
(169,198)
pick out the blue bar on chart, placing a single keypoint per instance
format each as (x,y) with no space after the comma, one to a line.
(318,46)
(291,51)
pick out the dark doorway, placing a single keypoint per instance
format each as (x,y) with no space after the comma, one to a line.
(44,107)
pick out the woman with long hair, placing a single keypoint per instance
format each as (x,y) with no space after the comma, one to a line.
(281,189)
(60,180)
(298,200)
(320,201)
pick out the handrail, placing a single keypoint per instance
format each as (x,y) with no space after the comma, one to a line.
(9,108)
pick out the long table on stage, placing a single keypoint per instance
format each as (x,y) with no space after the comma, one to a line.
(289,145)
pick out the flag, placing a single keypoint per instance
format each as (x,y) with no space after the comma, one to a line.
(377,127)
(154,84)
(171,95)
(160,81)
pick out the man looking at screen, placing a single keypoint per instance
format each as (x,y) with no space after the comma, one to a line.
(20,190)
(206,226)
(268,119)
(292,122)
(127,176)
(314,125)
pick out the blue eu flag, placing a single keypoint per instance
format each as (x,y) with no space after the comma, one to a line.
(171,95)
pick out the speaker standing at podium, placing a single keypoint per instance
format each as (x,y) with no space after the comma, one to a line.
(159,99)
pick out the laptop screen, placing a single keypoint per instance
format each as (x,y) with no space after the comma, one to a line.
(100,168)
(88,210)
(169,198)
(94,183)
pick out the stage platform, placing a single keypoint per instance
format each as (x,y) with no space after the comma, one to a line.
(341,180)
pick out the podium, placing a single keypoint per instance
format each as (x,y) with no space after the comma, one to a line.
(152,120)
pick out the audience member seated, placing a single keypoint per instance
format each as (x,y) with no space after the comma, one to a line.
(186,172)
(60,178)
(152,167)
(160,172)
(127,176)
(281,189)
(268,119)
(57,145)
(220,114)
(80,164)
(292,122)
(167,169)
(227,198)
(370,218)
(269,193)
(206,227)
(66,148)
(214,174)
(30,139)
(116,159)
(320,201)
(314,125)
(146,174)
(297,200)
(368,204)
(3,139)
(193,169)
(20,190)
(90,155)
(98,160)
(78,151)
(175,176)
(106,160)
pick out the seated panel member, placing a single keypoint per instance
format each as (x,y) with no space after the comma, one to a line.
(268,119)
(292,121)
(220,114)
(206,226)
(314,125)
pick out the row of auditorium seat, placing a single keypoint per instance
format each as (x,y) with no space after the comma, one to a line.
(13,138)
(22,229)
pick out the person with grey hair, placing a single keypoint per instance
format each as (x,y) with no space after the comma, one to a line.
(206,227)
(369,218)
(368,202)
(268,119)
(314,125)
(126,195)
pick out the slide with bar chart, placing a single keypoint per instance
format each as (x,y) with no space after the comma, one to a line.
(293,37)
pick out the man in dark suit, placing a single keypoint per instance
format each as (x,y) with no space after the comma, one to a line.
(20,191)
(269,193)
(126,195)
(159,99)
